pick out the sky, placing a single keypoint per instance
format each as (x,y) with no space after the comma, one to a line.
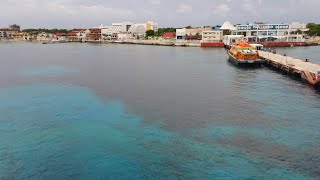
(167,13)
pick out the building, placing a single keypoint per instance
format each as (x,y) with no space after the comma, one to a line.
(78,34)
(19,35)
(111,32)
(94,34)
(14,27)
(169,35)
(192,33)
(61,37)
(262,32)
(3,33)
(136,29)
(212,36)
(227,26)
(124,36)
(44,36)
(229,40)
(7,32)
(152,26)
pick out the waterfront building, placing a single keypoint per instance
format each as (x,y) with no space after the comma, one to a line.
(116,30)
(212,36)
(78,34)
(3,33)
(227,26)
(19,35)
(44,36)
(94,34)
(191,33)
(263,32)
(61,37)
(152,26)
(7,32)
(125,36)
(229,40)
(169,35)
(138,29)
(14,27)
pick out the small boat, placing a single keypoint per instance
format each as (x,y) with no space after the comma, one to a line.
(244,54)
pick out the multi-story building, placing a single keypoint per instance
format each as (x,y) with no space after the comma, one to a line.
(3,33)
(78,34)
(136,29)
(7,32)
(95,34)
(152,26)
(262,32)
(111,32)
(212,36)
(44,36)
(185,33)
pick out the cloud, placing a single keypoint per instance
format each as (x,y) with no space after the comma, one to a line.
(221,9)
(184,8)
(175,13)
(155,2)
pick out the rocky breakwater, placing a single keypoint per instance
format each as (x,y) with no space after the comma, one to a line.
(313,41)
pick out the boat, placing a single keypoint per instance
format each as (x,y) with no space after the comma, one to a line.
(244,54)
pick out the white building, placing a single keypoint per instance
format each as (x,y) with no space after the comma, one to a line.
(212,36)
(262,32)
(3,34)
(229,40)
(184,33)
(137,29)
(227,26)
(44,36)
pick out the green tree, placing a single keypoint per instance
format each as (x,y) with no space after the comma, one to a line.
(150,33)
(314,29)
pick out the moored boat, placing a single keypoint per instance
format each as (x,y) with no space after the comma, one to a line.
(243,54)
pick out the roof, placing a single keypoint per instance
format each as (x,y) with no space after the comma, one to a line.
(227,26)
(169,35)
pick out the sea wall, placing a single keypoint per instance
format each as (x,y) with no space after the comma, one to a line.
(313,40)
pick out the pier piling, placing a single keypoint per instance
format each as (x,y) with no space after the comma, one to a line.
(293,66)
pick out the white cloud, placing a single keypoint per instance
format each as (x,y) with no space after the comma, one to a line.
(251,6)
(155,2)
(221,9)
(184,8)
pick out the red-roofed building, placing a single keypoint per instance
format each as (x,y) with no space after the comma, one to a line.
(77,34)
(61,37)
(169,35)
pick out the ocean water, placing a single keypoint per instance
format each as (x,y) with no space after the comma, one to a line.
(89,111)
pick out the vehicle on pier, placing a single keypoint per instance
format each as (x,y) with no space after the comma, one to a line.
(243,54)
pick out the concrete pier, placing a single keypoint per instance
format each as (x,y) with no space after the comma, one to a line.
(297,67)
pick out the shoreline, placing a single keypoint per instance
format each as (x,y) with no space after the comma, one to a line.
(143,42)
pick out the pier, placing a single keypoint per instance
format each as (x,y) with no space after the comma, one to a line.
(297,67)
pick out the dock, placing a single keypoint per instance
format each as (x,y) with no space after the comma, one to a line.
(297,67)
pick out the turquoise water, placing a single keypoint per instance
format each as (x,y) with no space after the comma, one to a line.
(143,112)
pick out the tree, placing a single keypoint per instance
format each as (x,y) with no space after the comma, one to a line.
(150,33)
(314,29)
